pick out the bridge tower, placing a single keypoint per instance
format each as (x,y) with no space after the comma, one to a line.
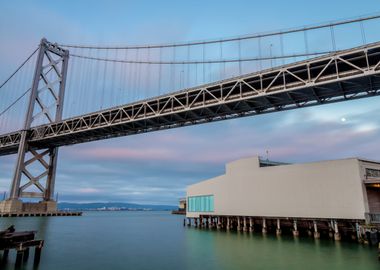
(34,174)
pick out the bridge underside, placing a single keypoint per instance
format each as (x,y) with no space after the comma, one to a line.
(346,75)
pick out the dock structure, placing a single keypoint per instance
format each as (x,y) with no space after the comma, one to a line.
(21,242)
(338,199)
(42,214)
(317,228)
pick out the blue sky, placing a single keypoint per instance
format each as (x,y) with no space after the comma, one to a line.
(157,167)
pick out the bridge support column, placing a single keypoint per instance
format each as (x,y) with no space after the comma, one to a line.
(34,175)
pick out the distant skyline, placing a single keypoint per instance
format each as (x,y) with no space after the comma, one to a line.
(155,168)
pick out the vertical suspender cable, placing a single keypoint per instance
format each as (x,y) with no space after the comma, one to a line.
(160,73)
(139,68)
(306,42)
(104,82)
(172,71)
(97,78)
(203,67)
(188,68)
(148,90)
(113,79)
(240,63)
(362,30)
(282,48)
(123,77)
(259,45)
(221,73)
(332,38)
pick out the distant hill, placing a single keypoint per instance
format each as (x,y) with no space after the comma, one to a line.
(114,206)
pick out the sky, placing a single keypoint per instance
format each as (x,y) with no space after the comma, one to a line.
(156,167)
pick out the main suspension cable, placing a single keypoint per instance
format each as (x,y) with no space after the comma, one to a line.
(254,36)
(203,61)
(14,73)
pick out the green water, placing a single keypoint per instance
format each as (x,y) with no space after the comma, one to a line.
(158,240)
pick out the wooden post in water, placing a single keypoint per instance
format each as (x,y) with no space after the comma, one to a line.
(26,254)
(331,234)
(336,231)
(37,255)
(251,227)
(19,258)
(309,229)
(295,229)
(278,230)
(317,234)
(245,224)
(264,229)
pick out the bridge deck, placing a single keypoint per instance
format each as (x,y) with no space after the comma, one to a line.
(345,75)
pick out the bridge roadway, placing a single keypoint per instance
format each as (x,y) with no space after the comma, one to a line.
(345,75)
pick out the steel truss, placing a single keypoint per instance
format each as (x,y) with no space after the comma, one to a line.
(345,75)
(36,168)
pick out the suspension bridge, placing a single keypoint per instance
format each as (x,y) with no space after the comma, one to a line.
(71,94)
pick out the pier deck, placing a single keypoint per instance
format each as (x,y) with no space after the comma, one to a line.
(42,214)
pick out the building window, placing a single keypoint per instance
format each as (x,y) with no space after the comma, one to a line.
(372,173)
(200,203)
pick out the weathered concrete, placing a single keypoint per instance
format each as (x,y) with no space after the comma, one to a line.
(11,206)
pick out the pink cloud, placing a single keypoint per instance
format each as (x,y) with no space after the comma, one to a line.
(127,153)
(88,190)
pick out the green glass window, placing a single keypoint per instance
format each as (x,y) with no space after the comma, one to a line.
(200,203)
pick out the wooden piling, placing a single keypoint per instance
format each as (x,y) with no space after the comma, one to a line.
(19,258)
(264,228)
(37,255)
(26,255)
(278,229)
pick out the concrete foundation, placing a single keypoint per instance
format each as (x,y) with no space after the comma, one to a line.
(11,206)
(17,206)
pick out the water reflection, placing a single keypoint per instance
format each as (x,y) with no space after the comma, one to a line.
(157,240)
(237,250)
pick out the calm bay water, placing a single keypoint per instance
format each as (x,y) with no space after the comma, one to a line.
(157,240)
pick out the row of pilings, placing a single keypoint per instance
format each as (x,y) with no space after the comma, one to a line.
(352,230)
